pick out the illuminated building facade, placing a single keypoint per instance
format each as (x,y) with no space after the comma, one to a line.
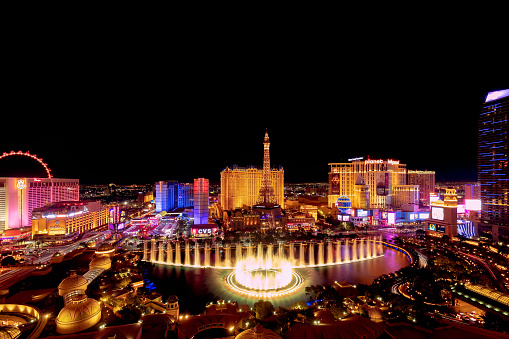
(243,187)
(371,184)
(237,220)
(20,196)
(493,165)
(426,182)
(173,194)
(443,218)
(240,186)
(69,217)
(201,201)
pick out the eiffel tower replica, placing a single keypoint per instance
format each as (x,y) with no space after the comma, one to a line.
(266,204)
(266,195)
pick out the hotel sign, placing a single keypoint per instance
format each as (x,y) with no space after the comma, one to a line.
(21,184)
(381,161)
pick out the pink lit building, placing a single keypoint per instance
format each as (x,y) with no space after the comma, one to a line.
(20,196)
(201,201)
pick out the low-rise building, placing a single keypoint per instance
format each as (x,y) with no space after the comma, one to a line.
(68,217)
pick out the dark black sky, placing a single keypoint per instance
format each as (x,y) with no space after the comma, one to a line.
(145,116)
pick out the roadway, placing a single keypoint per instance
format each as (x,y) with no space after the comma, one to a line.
(64,249)
(499,280)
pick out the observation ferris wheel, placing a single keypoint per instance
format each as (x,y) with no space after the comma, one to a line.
(27,154)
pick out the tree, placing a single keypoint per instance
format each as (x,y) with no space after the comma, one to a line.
(495,323)
(118,304)
(338,311)
(123,283)
(9,261)
(299,305)
(285,318)
(263,309)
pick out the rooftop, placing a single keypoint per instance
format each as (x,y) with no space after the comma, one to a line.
(495,95)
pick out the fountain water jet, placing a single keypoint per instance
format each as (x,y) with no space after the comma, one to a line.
(320,253)
(177,254)
(187,255)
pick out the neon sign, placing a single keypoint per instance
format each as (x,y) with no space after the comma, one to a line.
(21,184)
(204,231)
(381,161)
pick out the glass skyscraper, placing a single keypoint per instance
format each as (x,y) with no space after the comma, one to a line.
(493,166)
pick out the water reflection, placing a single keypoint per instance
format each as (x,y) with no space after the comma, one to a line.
(197,287)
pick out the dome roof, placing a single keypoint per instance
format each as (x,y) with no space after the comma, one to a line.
(104,248)
(100,262)
(78,315)
(258,332)
(72,283)
(172,299)
(9,332)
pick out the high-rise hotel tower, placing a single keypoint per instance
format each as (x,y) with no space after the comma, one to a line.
(493,165)
(371,183)
(20,196)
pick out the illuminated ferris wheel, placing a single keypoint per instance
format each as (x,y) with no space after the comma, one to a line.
(33,156)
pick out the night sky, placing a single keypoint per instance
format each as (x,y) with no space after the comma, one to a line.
(140,121)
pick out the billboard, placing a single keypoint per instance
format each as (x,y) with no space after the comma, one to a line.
(334,183)
(473,204)
(437,213)
(391,218)
(436,228)
(116,217)
(382,183)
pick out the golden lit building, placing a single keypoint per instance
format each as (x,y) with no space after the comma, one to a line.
(405,194)
(371,183)
(426,182)
(240,186)
(69,217)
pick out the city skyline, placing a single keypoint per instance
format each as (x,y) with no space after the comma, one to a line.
(417,126)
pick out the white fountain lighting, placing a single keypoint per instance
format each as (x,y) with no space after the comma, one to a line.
(266,277)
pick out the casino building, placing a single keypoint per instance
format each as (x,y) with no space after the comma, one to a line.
(371,184)
(67,217)
(443,216)
(240,186)
(261,188)
(20,196)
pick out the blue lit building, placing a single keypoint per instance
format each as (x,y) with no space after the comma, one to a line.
(493,166)
(172,194)
(466,228)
